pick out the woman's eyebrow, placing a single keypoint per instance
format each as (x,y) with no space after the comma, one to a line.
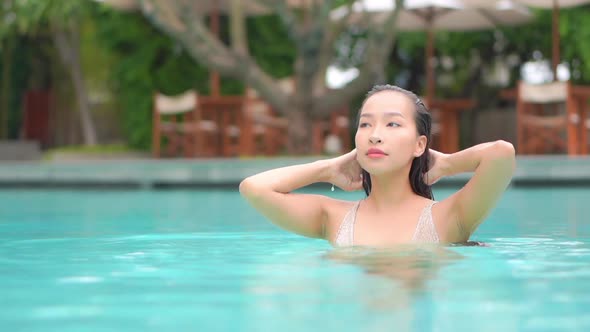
(393,114)
(370,115)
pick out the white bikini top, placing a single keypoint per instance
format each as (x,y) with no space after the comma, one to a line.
(425,231)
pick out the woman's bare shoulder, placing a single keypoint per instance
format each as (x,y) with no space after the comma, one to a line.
(333,205)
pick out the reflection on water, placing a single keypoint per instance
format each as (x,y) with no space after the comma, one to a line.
(410,266)
(396,280)
(387,287)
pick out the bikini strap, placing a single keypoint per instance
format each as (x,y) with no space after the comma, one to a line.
(345,236)
(425,229)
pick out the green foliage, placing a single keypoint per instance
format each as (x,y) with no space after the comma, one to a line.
(28,25)
(31,17)
(145,61)
(18,83)
(575,31)
(269,44)
(14,71)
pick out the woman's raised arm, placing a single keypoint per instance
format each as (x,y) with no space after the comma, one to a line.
(270,192)
(493,164)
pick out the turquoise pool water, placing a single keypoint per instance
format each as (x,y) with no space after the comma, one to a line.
(205,261)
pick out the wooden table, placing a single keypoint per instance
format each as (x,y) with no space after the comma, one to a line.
(235,123)
(449,110)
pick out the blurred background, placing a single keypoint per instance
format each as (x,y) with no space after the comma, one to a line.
(197,79)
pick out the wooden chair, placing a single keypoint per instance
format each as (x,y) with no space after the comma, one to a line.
(264,130)
(181,123)
(227,112)
(541,116)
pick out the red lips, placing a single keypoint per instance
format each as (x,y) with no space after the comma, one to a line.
(373,152)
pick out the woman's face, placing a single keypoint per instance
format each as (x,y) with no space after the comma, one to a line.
(386,138)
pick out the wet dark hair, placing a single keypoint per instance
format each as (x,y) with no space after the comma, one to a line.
(423,126)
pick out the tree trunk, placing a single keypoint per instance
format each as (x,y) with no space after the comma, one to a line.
(69,51)
(299,131)
(88,128)
(238,28)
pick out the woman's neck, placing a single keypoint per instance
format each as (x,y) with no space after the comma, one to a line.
(390,190)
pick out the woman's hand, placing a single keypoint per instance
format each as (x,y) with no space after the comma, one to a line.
(346,172)
(438,167)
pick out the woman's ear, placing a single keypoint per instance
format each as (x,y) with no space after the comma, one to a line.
(420,146)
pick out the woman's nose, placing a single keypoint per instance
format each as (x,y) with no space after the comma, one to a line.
(374,139)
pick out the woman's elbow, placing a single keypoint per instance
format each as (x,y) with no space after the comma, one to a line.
(246,187)
(250,188)
(504,151)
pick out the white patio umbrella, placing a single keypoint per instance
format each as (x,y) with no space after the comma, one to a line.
(432,15)
(555,5)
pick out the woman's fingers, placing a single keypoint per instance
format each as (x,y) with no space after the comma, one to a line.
(348,176)
(350,183)
(353,186)
(356,183)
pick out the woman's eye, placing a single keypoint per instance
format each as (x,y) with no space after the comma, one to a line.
(363,125)
(393,124)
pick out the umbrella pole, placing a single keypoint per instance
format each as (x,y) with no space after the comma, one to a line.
(214,76)
(556,39)
(429,64)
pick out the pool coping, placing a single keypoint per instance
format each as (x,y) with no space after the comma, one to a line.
(531,171)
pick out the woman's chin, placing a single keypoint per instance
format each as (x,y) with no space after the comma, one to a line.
(376,170)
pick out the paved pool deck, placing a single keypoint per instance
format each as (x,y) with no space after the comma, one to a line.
(145,174)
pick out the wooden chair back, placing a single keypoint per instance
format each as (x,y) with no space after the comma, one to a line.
(169,115)
(190,131)
(541,117)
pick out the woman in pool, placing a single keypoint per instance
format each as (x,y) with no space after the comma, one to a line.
(393,163)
